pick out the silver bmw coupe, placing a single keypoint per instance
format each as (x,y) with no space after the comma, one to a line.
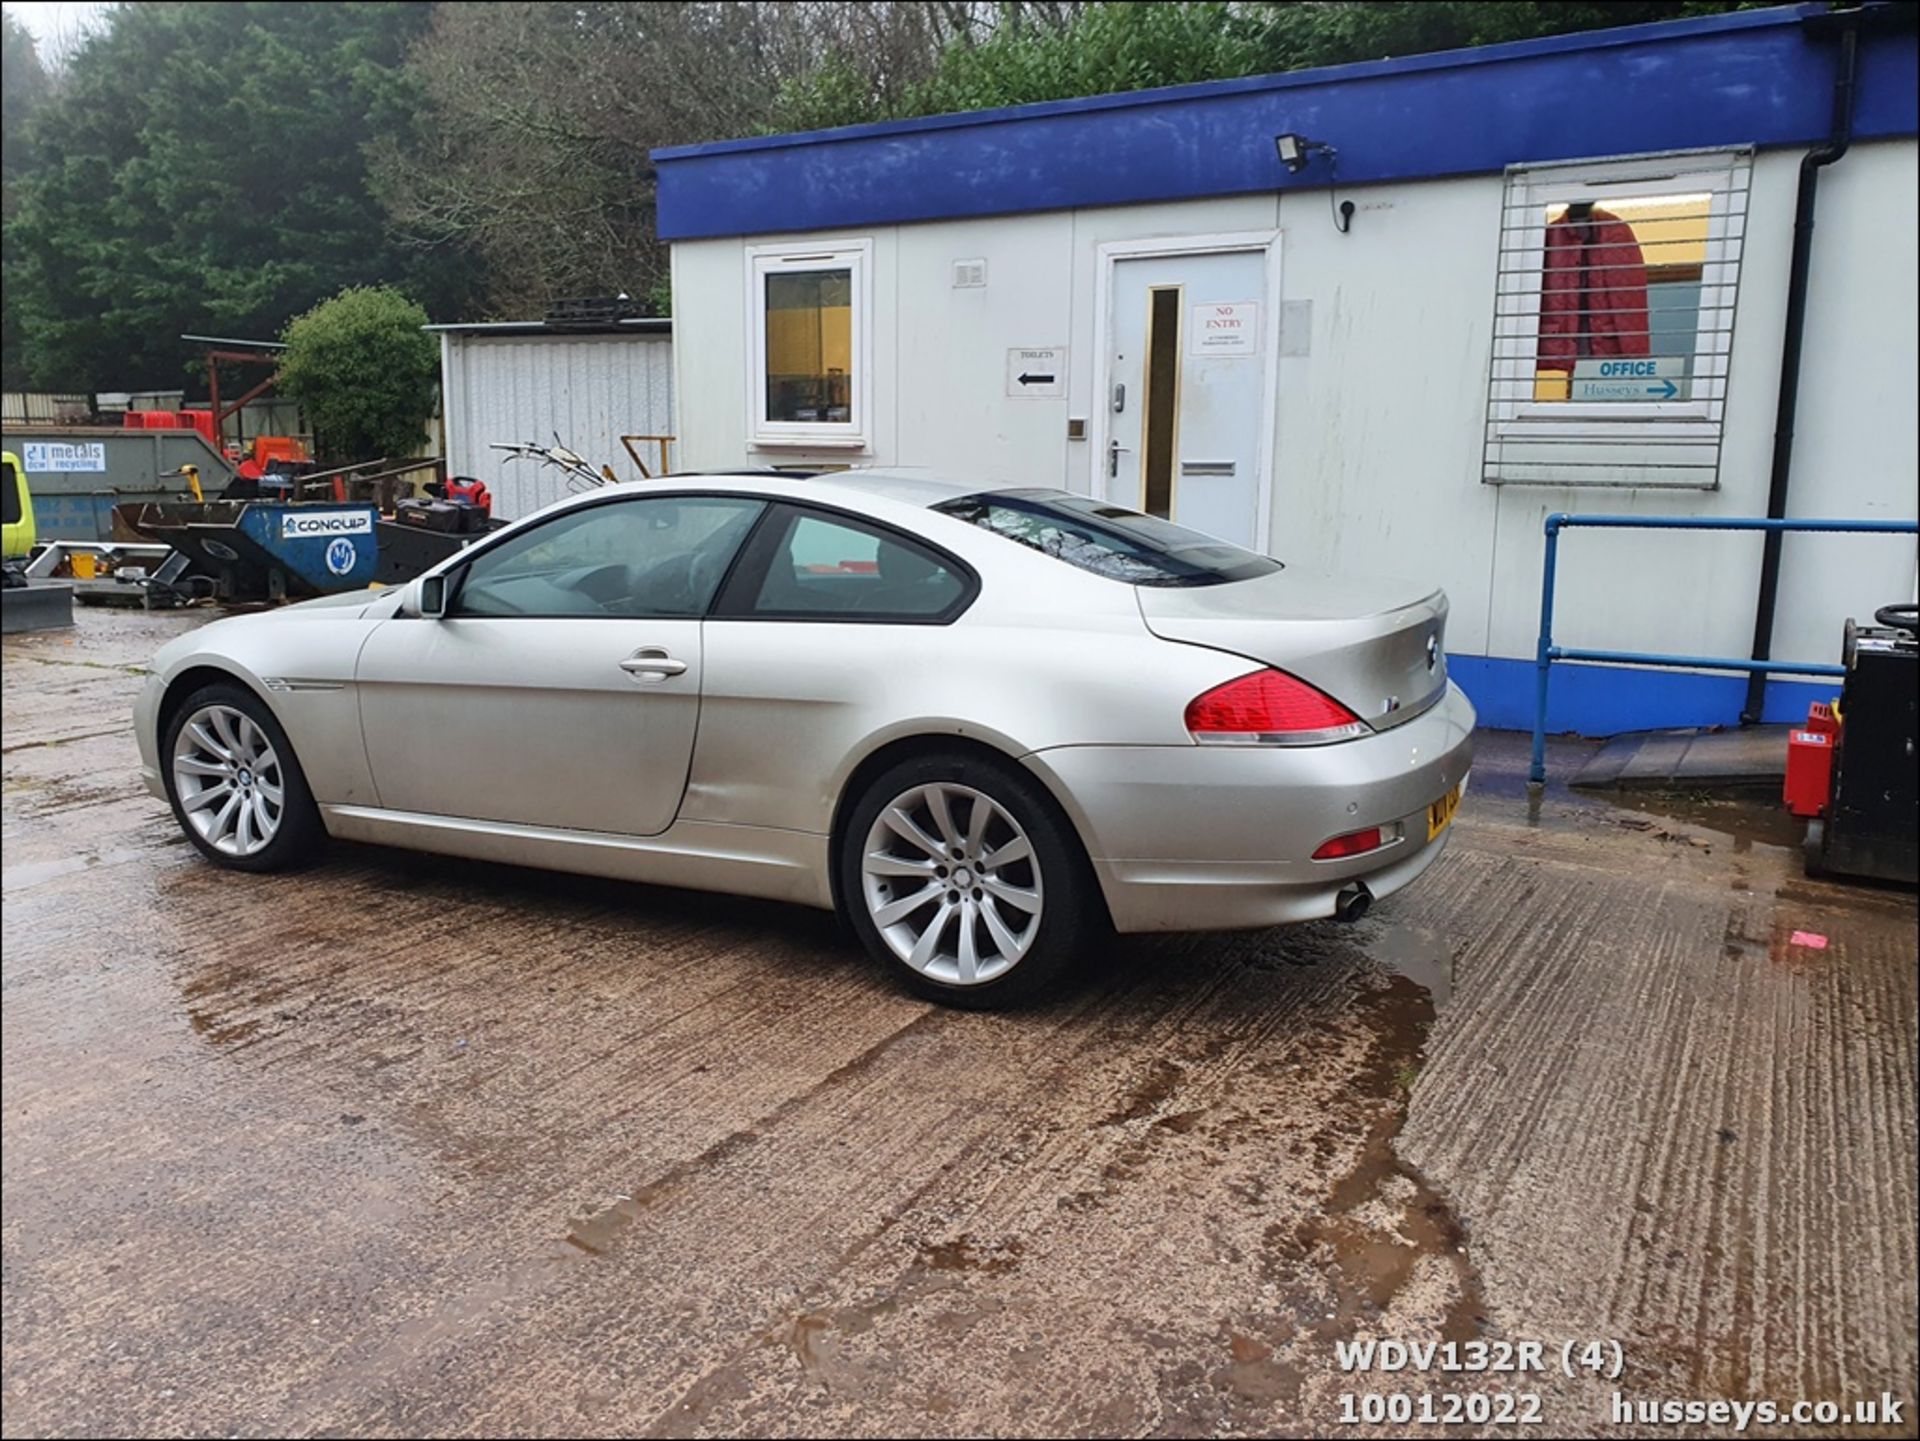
(985,724)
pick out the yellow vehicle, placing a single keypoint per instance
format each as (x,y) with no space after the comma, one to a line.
(16,510)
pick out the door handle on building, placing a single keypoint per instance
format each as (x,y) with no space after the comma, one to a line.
(651,662)
(1114,448)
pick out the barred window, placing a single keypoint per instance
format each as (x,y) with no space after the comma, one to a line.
(1613,320)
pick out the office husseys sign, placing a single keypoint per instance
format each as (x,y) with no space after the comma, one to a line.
(1648,377)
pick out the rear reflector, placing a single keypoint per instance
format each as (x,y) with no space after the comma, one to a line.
(1271,707)
(1358,843)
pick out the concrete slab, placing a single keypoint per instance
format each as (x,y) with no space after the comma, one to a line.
(1752,758)
(398,1146)
(1655,759)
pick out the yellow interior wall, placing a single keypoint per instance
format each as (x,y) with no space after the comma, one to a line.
(810,342)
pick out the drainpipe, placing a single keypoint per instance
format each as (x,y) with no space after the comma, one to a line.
(1840,136)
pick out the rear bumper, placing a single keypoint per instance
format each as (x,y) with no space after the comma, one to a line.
(1222,837)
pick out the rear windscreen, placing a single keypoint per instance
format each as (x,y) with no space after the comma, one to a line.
(10,511)
(1108,540)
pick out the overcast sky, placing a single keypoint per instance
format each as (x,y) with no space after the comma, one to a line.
(54,23)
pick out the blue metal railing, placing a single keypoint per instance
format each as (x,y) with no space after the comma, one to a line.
(1547,652)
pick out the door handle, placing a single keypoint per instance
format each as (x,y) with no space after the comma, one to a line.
(651,662)
(1114,448)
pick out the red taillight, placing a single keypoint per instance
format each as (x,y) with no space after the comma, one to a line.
(1358,843)
(1270,705)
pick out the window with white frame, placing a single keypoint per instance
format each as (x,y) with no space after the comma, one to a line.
(1613,320)
(811,313)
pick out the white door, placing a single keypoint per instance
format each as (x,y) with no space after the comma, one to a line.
(1186,389)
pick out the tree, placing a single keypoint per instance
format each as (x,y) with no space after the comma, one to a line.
(1293,36)
(540,119)
(533,148)
(23,90)
(1098,50)
(1056,53)
(202,169)
(869,62)
(364,371)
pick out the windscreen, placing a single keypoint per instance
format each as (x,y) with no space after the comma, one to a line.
(1108,540)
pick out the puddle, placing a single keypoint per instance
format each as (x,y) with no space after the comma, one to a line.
(34,873)
(1382,1219)
(1420,956)
(1745,821)
(1375,1265)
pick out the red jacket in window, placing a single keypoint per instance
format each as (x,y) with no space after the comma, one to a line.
(1593,291)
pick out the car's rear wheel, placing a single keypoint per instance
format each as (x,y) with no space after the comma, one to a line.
(962,878)
(236,787)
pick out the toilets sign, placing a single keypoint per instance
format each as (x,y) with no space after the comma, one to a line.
(1647,377)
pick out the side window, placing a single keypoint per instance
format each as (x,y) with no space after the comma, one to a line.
(830,568)
(812,318)
(11,511)
(652,557)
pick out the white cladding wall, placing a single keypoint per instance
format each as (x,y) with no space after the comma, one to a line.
(591,389)
(1380,421)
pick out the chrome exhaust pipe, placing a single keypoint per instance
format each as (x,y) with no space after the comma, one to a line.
(1352,902)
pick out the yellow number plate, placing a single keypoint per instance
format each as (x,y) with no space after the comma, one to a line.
(1441,812)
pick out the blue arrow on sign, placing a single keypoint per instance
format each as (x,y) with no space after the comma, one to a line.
(1636,388)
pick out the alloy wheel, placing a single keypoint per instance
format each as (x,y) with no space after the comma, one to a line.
(227,776)
(952,883)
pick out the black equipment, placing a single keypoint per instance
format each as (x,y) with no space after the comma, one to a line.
(1872,823)
(449,516)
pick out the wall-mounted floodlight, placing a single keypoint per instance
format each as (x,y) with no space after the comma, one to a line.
(1295,150)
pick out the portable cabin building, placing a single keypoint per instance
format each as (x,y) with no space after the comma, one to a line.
(1380,317)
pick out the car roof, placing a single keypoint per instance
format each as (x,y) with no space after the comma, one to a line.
(904,497)
(902,486)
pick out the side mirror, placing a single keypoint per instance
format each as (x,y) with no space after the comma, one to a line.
(432,596)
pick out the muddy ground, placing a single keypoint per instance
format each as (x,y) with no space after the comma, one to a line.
(403,1145)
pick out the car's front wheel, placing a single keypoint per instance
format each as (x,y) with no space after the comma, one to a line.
(237,788)
(960,876)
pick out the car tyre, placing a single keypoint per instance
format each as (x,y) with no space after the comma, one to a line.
(961,876)
(235,785)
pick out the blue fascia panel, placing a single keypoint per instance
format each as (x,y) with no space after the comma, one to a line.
(1598,700)
(1751,77)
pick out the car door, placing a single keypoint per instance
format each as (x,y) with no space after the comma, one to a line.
(562,685)
(823,624)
